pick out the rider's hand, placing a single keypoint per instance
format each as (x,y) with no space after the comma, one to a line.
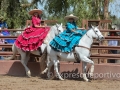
(43,26)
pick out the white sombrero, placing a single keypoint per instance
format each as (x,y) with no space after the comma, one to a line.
(35,10)
(71,16)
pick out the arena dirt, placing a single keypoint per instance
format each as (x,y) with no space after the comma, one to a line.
(37,83)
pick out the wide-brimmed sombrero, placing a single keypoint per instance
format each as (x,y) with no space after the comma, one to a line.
(35,10)
(71,16)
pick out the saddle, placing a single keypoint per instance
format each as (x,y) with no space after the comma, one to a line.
(36,58)
(39,49)
(76,57)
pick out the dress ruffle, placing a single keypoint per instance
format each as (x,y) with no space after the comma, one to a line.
(66,41)
(31,38)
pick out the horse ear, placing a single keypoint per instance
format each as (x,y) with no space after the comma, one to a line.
(56,24)
(92,26)
(61,24)
(97,26)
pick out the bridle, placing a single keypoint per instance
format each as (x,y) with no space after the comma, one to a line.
(58,29)
(88,37)
(94,32)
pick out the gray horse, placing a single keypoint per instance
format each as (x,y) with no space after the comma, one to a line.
(25,56)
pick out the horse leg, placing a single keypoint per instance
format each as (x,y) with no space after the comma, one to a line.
(56,69)
(86,60)
(24,63)
(91,71)
(27,57)
(84,66)
(46,69)
(49,68)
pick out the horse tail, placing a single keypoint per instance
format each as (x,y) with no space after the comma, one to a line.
(14,50)
(43,60)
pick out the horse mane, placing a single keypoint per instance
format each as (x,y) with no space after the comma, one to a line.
(48,38)
(50,35)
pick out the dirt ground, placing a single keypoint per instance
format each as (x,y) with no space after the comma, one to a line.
(36,83)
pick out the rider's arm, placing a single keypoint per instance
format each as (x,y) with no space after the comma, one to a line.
(69,27)
(73,31)
(37,26)
(80,28)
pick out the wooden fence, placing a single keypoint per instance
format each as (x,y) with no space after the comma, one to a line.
(95,46)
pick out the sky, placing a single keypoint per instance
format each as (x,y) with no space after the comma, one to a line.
(114,7)
(39,6)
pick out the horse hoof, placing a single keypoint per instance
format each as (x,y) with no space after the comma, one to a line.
(28,76)
(48,78)
(62,79)
(89,80)
(42,72)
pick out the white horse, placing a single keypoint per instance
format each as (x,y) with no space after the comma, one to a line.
(25,56)
(82,50)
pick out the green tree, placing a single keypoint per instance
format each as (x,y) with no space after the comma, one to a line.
(16,11)
(14,14)
(85,9)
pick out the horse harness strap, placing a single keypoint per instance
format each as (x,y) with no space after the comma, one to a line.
(87,35)
(39,49)
(83,47)
(76,55)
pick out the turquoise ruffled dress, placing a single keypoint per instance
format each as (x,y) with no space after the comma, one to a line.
(67,40)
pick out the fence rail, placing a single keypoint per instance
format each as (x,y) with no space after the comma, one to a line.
(98,46)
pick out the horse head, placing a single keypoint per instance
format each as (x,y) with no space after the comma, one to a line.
(54,30)
(59,28)
(96,33)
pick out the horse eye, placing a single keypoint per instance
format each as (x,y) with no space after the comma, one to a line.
(96,31)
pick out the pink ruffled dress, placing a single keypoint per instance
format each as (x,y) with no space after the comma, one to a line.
(32,37)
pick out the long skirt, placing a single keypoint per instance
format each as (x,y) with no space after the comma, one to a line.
(66,41)
(31,38)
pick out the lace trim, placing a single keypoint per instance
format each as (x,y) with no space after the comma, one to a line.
(25,50)
(22,48)
(35,36)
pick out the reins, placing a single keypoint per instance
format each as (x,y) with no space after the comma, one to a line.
(88,37)
(83,47)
